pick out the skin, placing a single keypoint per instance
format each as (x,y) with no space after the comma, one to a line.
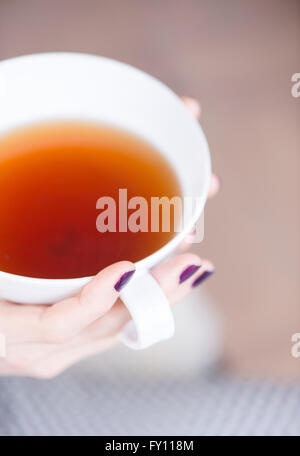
(43,341)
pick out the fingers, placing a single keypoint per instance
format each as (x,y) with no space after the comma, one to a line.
(176,278)
(214,186)
(187,241)
(19,322)
(63,320)
(52,330)
(59,362)
(67,318)
(47,361)
(193,106)
(195,109)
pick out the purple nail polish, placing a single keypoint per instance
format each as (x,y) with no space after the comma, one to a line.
(188,272)
(123,280)
(201,278)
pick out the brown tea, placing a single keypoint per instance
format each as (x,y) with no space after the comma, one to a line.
(51,177)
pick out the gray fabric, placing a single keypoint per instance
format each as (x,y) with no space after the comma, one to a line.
(207,404)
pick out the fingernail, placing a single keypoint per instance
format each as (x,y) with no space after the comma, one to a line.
(123,280)
(188,272)
(203,277)
(215,185)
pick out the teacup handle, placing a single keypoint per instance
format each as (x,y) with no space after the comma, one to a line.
(152,318)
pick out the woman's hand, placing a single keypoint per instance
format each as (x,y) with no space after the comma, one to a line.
(42,341)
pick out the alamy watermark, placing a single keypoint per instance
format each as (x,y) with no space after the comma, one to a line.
(295,90)
(295,350)
(296,86)
(160,214)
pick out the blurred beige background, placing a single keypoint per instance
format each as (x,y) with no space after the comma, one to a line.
(237,57)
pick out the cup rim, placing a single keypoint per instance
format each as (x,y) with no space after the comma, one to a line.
(171,245)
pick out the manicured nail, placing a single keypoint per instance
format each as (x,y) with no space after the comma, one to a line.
(203,277)
(123,280)
(188,272)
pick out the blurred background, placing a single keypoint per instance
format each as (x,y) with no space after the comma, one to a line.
(237,57)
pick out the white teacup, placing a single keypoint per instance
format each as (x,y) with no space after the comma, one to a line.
(71,86)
